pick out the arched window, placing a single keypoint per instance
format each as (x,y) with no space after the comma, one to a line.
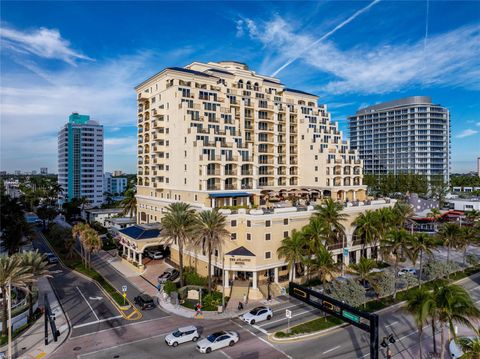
(240,84)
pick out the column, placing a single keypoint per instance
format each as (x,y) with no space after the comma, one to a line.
(123,249)
(354,195)
(293,272)
(140,259)
(226,281)
(254,281)
(128,254)
(275,275)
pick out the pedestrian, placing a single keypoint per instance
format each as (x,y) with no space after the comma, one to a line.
(389,353)
(198,310)
(159,287)
(240,306)
(245,298)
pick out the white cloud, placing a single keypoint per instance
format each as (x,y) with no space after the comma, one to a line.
(43,42)
(451,59)
(477,124)
(466,133)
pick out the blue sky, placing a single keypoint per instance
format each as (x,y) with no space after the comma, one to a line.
(60,57)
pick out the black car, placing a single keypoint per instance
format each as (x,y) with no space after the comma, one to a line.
(144,301)
(51,258)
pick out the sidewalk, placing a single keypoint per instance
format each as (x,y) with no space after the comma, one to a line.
(31,344)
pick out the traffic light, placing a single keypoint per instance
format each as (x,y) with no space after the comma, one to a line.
(391,339)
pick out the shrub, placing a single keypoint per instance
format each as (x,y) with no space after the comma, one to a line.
(434,269)
(408,280)
(212,300)
(280,334)
(472,259)
(169,287)
(348,291)
(192,278)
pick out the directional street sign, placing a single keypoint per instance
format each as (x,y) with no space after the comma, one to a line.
(124,295)
(124,288)
(351,316)
(288,313)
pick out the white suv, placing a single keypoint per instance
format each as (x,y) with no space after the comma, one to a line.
(182,335)
(257,315)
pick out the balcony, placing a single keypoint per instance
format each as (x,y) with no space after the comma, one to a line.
(230,186)
(247,173)
(230,173)
(213,173)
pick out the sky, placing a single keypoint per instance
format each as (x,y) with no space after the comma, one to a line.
(86,57)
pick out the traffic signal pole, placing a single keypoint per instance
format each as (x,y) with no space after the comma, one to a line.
(374,336)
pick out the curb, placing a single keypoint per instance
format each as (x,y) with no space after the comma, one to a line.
(273,339)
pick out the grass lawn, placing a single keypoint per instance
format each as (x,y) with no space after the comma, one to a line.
(310,327)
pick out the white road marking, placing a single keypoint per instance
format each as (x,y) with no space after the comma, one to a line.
(95,322)
(331,350)
(228,356)
(386,326)
(261,329)
(294,315)
(95,314)
(95,298)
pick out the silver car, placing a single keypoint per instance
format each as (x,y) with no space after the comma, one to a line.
(218,340)
(182,335)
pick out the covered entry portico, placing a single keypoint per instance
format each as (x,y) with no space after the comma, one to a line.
(229,199)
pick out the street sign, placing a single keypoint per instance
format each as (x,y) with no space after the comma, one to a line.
(351,316)
(345,252)
(124,288)
(288,313)
(124,295)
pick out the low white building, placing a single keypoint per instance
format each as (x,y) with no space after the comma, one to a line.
(100,215)
(465,204)
(120,222)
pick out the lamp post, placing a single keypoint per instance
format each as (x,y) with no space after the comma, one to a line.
(9,304)
(223,286)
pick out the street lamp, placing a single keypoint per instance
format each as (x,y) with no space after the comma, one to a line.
(9,304)
(223,286)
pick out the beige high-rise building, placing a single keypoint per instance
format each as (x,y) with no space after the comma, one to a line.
(218,135)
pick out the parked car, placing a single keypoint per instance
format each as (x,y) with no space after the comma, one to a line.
(182,335)
(155,255)
(257,314)
(51,258)
(455,349)
(170,274)
(217,340)
(144,301)
(404,271)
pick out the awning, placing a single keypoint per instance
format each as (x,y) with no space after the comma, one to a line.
(229,194)
(240,251)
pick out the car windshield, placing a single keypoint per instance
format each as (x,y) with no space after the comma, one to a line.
(255,311)
(177,333)
(211,338)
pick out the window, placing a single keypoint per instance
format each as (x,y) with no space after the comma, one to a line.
(233,236)
(268,236)
(249,223)
(233,223)
(285,234)
(268,223)
(268,255)
(216,252)
(285,221)
(249,237)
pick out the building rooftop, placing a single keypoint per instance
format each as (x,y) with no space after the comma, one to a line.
(413,100)
(240,251)
(139,232)
(104,210)
(298,91)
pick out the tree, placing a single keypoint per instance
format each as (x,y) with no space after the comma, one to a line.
(15,227)
(12,274)
(421,244)
(472,216)
(383,283)
(420,304)
(403,213)
(367,227)
(129,203)
(315,234)
(364,269)
(435,269)
(332,213)
(323,264)
(470,346)
(292,250)
(78,232)
(449,234)
(37,267)
(178,224)
(468,236)
(435,215)
(46,213)
(453,304)
(210,229)
(92,244)
(395,244)
(348,291)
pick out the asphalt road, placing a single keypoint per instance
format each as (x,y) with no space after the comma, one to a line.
(87,308)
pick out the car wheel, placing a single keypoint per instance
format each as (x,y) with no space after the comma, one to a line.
(194,339)
(232,343)
(174,344)
(209,350)
(252,322)
(269,317)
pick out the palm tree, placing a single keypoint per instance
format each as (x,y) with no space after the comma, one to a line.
(435,215)
(420,304)
(421,243)
(472,216)
(211,231)
(129,203)
(78,232)
(53,190)
(449,234)
(470,346)
(292,249)
(38,267)
(12,274)
(178,224)
(367,227)
(396,243)
(92,244)
(363,269)
(403,213)
(453,304)
(315,234)
(323,264)
(332,213)
(468,236)
(69,245)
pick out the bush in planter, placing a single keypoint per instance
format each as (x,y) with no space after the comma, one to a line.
(349,291)
(472,259)
(169,287)
(192,278)
(437,269)
(212,300)
(384,283)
